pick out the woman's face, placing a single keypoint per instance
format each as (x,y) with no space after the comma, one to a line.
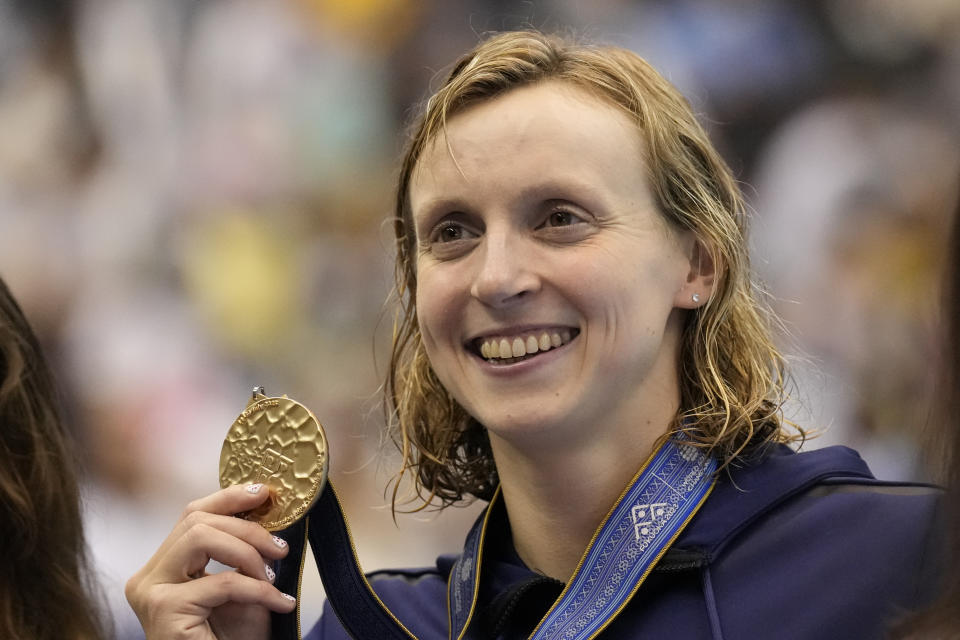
(549,287)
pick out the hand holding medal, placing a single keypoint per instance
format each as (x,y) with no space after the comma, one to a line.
(279,444)
(273,467)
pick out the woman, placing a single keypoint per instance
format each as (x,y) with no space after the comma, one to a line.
(45,592)
(578,306)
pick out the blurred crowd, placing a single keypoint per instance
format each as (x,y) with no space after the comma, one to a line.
(195,197)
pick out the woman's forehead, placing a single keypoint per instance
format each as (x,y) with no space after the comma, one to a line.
(528,109)
(542,131)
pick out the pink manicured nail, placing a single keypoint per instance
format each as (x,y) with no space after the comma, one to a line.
(289,597)
(271,576)
(254,488)
(280,542)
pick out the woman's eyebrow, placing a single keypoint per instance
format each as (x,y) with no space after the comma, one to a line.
(441,204)
(574,189)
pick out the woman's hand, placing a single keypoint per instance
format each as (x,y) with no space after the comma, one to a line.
(175,598)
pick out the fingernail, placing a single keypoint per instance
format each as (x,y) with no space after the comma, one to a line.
(280,542)
(289,597)
(271,576)
(254,488)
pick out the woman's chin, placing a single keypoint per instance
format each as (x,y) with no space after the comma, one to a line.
(531,431)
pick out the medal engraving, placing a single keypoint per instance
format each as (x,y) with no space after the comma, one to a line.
(277,442)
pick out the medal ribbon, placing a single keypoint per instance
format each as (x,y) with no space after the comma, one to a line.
(646,519)
(638,530)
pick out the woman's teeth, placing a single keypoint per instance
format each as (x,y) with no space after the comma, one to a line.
(500,348)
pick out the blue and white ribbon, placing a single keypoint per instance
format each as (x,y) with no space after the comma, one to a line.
(641,526)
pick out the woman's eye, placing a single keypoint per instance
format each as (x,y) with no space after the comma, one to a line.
(566,225)
(561,219)
(449,233)
(450,239)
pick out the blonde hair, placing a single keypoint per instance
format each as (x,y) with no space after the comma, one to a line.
(731,374)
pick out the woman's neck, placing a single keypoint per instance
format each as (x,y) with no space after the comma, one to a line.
(556,498)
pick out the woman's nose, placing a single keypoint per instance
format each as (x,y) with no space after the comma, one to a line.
(505,273)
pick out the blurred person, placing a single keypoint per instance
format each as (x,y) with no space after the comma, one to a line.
(46,590)
(942,620)
(852,193)
(577,304)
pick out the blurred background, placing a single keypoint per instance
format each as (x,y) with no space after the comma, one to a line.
(194,196)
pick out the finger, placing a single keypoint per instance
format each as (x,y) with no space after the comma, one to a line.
(269,546)
(202,543)
(223,504)
(232,500)
(229,586)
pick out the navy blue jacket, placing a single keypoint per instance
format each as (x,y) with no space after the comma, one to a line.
(805,545)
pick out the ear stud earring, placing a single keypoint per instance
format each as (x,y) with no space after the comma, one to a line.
(696,297)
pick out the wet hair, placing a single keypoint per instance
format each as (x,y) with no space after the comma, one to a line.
(45,591)
(731,374)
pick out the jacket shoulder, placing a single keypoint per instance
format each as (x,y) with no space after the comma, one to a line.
(814,545)
(809,483)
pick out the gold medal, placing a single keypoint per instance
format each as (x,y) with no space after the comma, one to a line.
(278,442)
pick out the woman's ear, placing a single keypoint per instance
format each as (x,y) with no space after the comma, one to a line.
(700,278)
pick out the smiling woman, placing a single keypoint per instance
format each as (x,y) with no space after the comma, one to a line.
(580,344)
(564,195)
(614,193)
